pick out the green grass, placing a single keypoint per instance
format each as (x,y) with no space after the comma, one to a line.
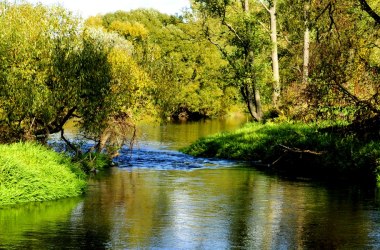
(31,172)
(342,155)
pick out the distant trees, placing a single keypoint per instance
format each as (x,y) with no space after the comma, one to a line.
(104,72)
(184,67)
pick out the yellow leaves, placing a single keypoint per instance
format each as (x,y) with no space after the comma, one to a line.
(129,81)
(94,21)
(375,56)
(127,29)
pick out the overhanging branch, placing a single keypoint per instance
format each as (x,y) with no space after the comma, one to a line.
(354,98)
(365,6)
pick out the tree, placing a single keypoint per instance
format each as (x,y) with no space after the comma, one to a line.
(232,28)
(56,71)
(32,104)
(271,8)
(306,46)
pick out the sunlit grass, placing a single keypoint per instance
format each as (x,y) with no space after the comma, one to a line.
(31,172)
(342,155)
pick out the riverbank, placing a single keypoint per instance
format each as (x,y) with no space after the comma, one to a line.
(296,149)
(31,172)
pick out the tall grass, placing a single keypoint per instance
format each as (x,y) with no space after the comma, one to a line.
(333,154)
(31,172)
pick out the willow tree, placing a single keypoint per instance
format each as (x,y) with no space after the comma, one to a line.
(37,98)
(231,26)
(53,69)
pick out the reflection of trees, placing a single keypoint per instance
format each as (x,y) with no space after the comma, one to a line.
(205,209)
(183,134)
(21,226)
(337,221)
(242,208)
(131,202)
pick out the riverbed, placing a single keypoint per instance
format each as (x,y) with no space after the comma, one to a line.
(162,199)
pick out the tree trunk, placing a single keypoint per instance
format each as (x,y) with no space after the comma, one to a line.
(252,97)
(275,63)
(251,92)
(306,49)
(246,6)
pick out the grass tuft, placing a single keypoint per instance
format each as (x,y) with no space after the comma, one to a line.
(31,172)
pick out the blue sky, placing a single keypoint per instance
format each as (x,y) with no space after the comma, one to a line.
(87,8)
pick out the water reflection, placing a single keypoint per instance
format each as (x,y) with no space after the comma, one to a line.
(230,208)
(165,200)
(222,208)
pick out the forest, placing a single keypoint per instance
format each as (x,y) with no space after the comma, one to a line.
(278,61)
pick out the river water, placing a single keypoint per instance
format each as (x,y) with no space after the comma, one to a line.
(162,199)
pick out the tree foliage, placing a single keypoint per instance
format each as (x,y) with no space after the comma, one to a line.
(344,62)
(113,68)
(53,70)
(185,68)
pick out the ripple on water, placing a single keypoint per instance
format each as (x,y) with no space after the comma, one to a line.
(159,159)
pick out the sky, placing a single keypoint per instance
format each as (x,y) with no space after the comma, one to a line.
(87,8)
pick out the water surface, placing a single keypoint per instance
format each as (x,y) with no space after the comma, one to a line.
(163,199)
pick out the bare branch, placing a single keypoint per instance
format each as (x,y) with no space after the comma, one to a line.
(232,30)
(264,26)
(300,151)
(263,4)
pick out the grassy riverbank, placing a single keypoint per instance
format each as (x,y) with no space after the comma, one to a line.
(300,149)
(31,172)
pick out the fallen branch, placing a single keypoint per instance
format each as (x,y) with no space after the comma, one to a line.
(301,151)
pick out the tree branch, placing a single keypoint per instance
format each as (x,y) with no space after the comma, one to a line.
(77,151)
(232,30)
(365,6)
(356,99)
(265,27)
(224,53)
(263,4)
(56,126)
(300,151)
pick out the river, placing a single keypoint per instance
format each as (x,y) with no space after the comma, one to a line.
(162,199)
